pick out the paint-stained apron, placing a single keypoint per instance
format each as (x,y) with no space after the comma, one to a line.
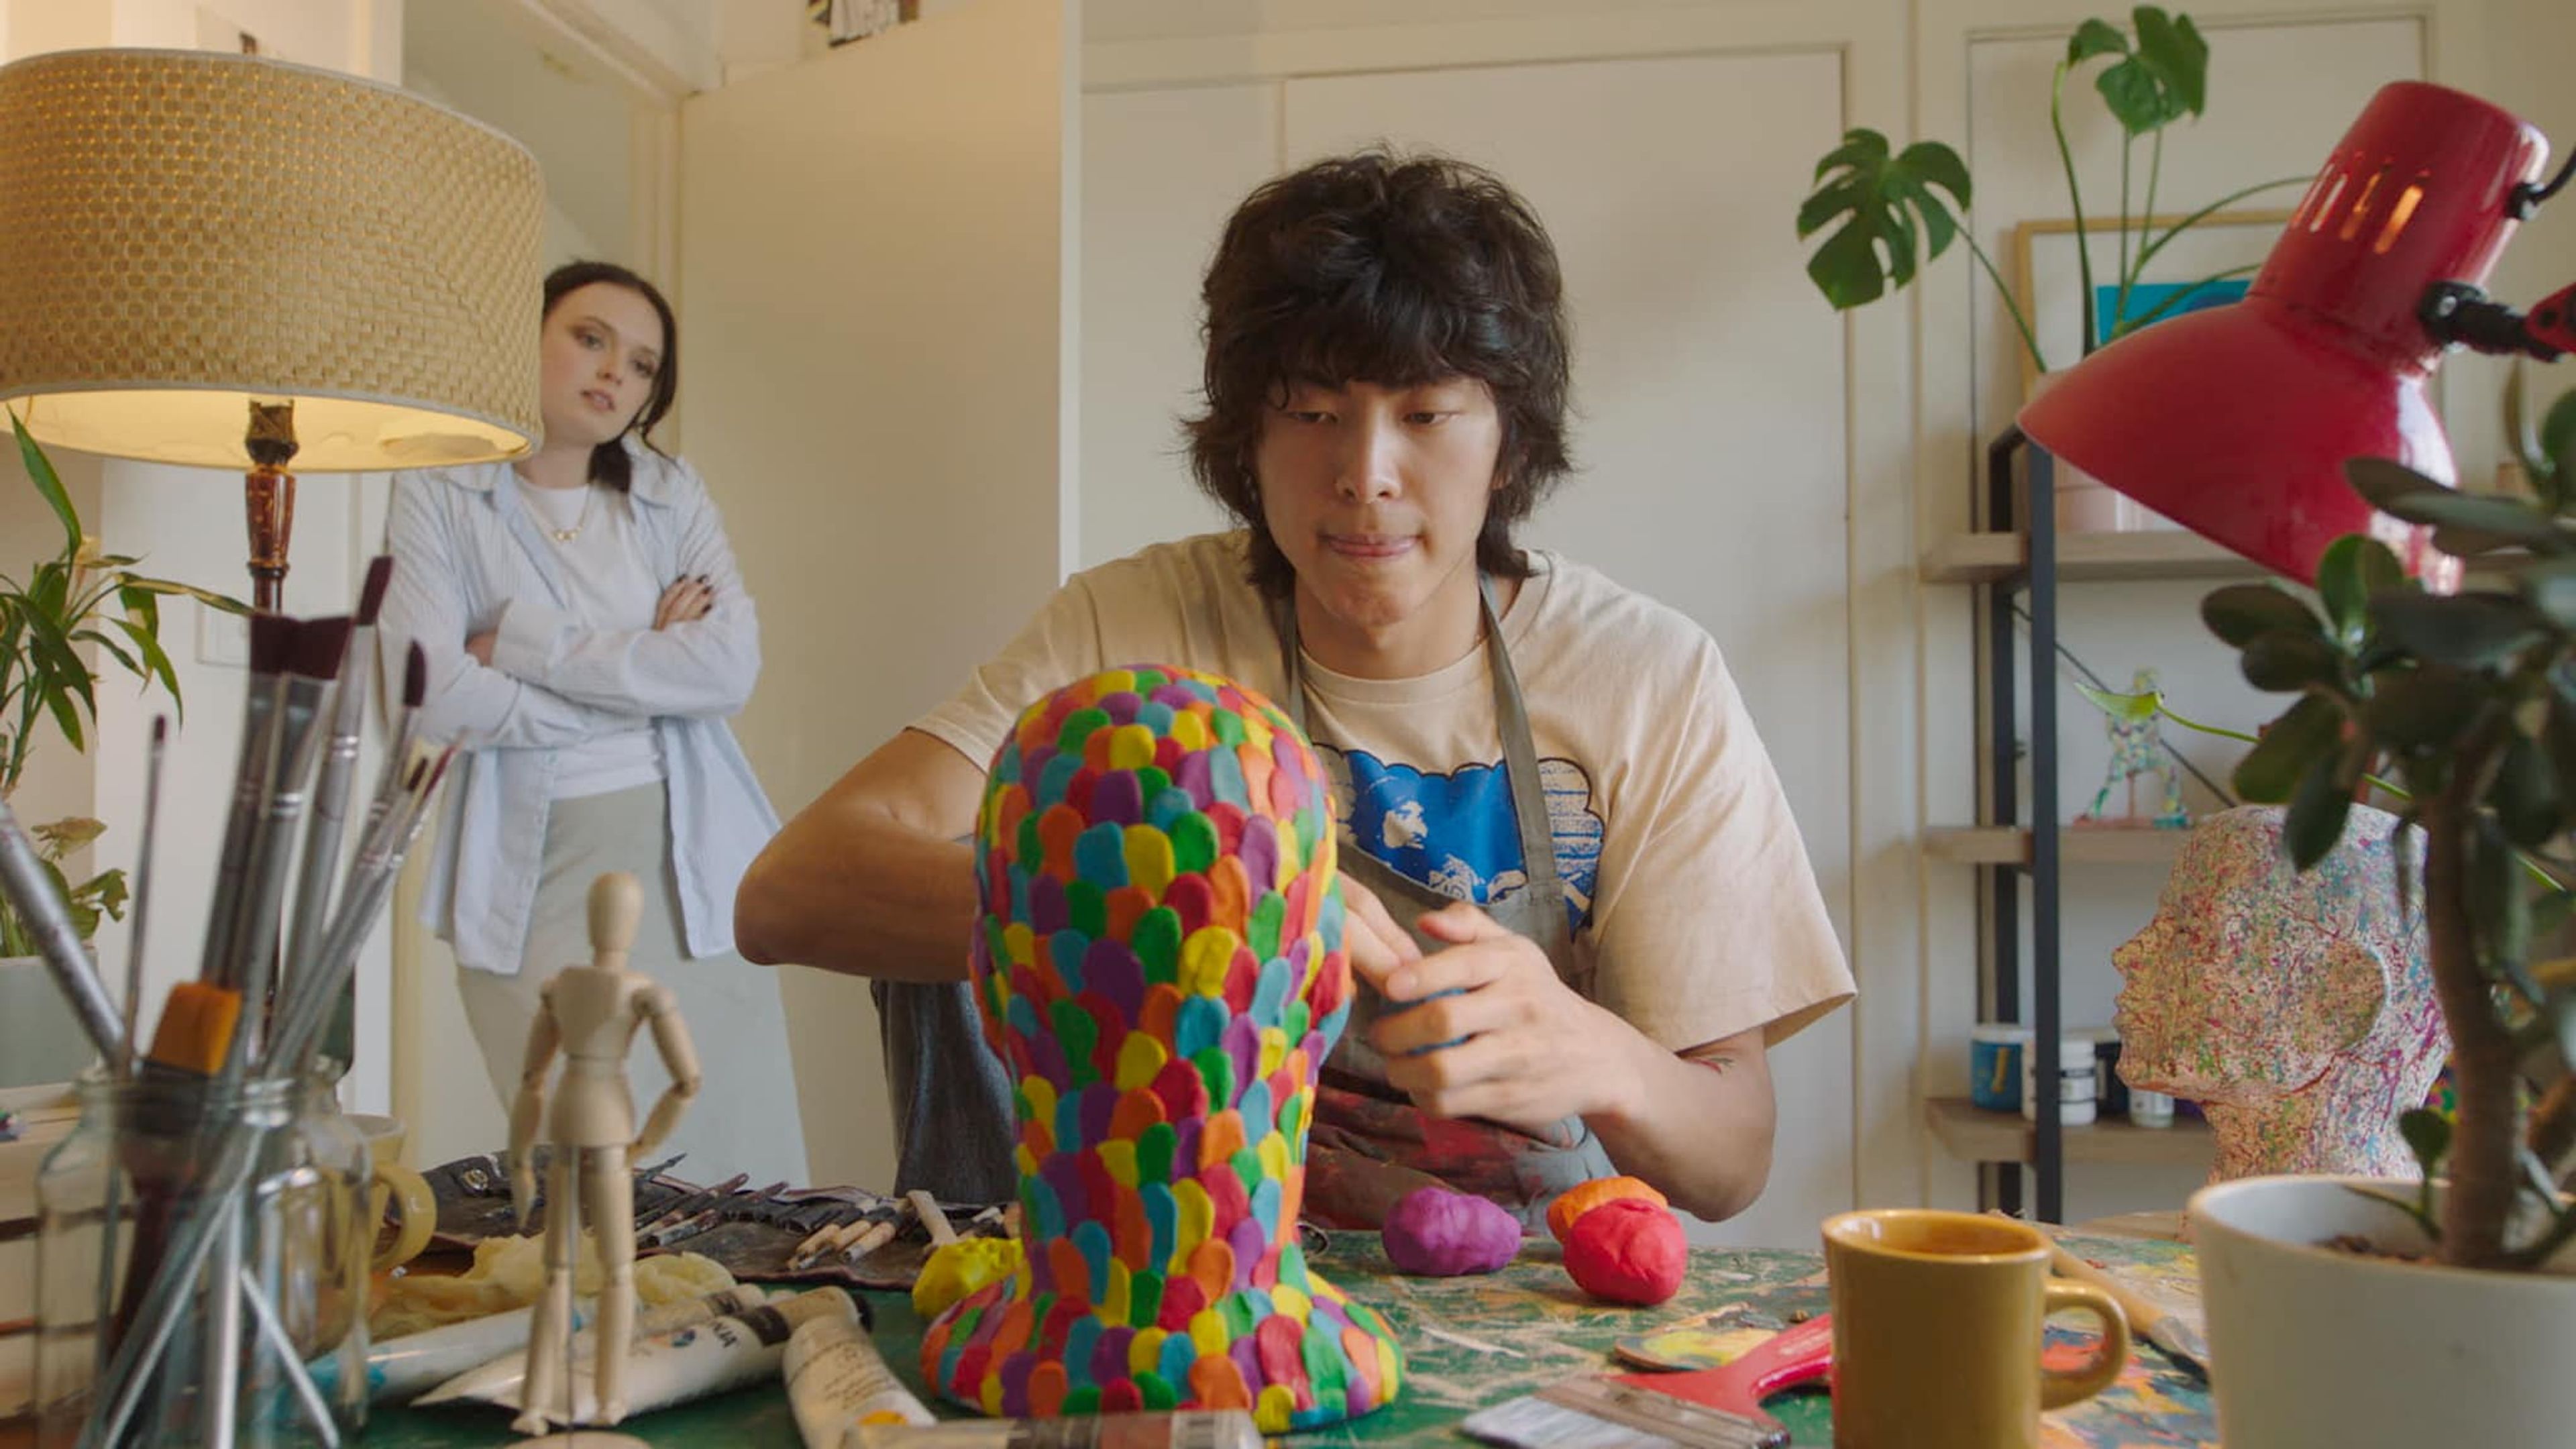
(1370,1145)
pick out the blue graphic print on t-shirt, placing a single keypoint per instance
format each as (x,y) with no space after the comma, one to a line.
(1456,833)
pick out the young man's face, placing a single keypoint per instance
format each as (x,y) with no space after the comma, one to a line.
(1376,494)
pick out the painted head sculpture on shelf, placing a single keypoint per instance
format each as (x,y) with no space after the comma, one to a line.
(1159,962)
(2297,1008)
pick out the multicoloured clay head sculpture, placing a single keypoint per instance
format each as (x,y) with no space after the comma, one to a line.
(1159,962)
(2296,1006)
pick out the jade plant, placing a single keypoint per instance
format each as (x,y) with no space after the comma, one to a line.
(1893,220)
(47,624)
(2461,709)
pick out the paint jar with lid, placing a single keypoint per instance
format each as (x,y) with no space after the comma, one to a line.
(2075,1081)
(1995,1052)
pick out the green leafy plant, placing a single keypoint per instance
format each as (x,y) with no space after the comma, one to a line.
(1893,220)
(45,624)
(2466,705)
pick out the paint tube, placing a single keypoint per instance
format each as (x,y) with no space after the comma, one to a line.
(713,1357)
(1194,1429)
(836,1378)
(496,1375)
(401,1367)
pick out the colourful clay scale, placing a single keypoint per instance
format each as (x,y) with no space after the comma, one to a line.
(1159,962)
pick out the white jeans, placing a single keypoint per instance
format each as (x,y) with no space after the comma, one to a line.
(744,1118)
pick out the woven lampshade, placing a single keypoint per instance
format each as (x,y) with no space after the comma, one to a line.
(183,232)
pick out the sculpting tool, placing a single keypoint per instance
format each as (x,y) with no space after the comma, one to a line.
(695,1202)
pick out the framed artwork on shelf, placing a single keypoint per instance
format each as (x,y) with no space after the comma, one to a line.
(2209,265)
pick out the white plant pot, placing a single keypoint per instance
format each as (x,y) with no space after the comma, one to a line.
(40,1039)
(2310,1345)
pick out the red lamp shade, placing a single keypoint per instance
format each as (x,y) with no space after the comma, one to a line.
(2236,421)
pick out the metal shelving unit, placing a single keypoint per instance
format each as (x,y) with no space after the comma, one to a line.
(2019,554)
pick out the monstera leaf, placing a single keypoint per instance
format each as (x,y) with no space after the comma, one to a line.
(2156,81)
(1892,217)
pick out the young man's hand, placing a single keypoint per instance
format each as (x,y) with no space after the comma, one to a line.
(1377,945)
(1492,1031)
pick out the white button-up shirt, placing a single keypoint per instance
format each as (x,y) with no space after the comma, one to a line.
(468,558)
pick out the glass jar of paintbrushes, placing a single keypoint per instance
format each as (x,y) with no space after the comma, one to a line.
(282,1292)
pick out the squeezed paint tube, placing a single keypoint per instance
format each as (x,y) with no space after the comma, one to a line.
(836,1378)
(500,1368)
(1193,1429)
(691,1363)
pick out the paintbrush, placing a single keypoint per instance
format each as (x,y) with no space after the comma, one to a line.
(320,645)
(1719,1408)
(322,836)
(205,1215)
(163,1135)
(2180,1340)
(272,642)
(31,890)
(371,881)
(143,888)
(340,1037)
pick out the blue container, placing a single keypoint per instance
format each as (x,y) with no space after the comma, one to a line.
(1994,1065)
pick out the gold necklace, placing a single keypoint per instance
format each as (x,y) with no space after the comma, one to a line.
(567,535)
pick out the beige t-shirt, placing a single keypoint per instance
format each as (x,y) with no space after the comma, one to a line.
(1696,914)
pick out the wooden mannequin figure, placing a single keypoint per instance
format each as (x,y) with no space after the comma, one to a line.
(591,1013)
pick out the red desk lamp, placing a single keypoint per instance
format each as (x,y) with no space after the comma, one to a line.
(2236,421)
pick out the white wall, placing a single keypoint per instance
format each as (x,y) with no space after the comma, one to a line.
(876,289)
(187,523)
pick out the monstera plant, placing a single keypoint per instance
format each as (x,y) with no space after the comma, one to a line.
(1883,210)
(47,625)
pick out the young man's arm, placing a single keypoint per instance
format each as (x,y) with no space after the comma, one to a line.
(1697,1126)
(873,878)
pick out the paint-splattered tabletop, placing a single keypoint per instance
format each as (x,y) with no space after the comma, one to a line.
(1473,1342)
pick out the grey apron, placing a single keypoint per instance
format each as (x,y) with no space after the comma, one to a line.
(1370,1145)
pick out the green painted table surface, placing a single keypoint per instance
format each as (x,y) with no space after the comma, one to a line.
(1470,1342)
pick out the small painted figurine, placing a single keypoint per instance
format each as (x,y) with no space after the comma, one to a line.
(2138,748)
(591,1014)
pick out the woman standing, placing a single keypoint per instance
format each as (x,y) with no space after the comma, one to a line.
(587,633)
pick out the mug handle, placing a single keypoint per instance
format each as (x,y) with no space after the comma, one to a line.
(2056,1389)
(415,1212)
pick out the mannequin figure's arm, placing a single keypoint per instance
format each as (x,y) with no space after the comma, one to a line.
(530,1108)
(679,1058)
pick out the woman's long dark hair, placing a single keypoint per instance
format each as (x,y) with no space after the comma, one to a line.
(608,462)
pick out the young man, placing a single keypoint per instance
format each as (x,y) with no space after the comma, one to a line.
(1574,881)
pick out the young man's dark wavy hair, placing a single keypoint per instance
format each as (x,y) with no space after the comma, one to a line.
(1394,270)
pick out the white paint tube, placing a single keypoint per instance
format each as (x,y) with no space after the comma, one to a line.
(496,1375)
(836,1378)
(401,1367)
(692,1363)
(1190,1429)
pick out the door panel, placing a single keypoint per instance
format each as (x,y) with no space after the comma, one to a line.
(876,320)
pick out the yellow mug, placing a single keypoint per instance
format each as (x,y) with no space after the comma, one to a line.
(397,1186)
(1937,1331)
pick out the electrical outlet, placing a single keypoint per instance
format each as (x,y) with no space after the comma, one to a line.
(223,639)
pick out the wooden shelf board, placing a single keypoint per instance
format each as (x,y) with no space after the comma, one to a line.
(1973,1134)
(2010,845)
(2165,553)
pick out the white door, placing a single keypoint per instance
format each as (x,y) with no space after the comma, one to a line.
(875,325)
(1708,387)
